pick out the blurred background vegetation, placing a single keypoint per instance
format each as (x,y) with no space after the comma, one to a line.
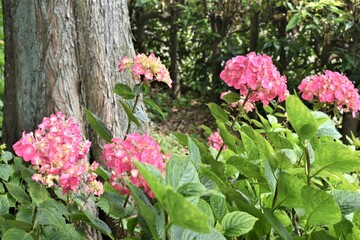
(195,38)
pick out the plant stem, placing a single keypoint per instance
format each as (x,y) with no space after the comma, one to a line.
(233,124)
(132,111)
(307,164)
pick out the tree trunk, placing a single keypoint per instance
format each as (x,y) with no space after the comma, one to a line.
(254,30)
(63,56)
(174,45)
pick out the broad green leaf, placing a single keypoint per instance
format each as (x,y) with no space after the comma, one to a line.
(38,192)
(237,223)
(6,171)
(100,171)
(4,204)
(293,22)
(25,213)
(47,214)
(98,125)
(180,170)
(16,234)
(192,189)
(231,97)
(184,214)
(322,235)
(328,129)
(276,224)
(98,224)
(250,147)
(227,137)
(154,106)
(356,219)
(269,175)
(301,118)
(320,207)
(68,232)
(146,210)
(6,156)
(289,191)
(246,167)
(218,112)
(131,224)
(348,201)
(112,204)
(213,235)
(194,153)
(205,207)
(18,193)
(219,207)
(343,229)
(17,224)
(154,179)
(336,157)
(124,91)
(130,114)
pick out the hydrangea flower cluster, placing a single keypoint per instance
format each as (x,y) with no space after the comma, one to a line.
(215,141)
(58,153)
(148,66)
(119,157)
(333,88)
(248,107)
(255,76)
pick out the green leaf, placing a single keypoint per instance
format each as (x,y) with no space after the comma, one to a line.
(4,204)
(276,224)
(112,204)
(301,118)
(38,192)
(328,129)
(100,171)
(194,153)
(336,157)
(183,213)
(124,91)
(146,210)
(293,22)
(231,97)
(153,178)
(213,235)
(179,171)
(154,106)
(130,114)
(349,202)
(289,191)
(98,224)
(250,147)
(227,137)
(16,234)
(6,171)
(320,207)
(269,176)
(192,189)
(218,112)
(17,224)
(48,214)
(237,223)
(205,208)
(219,207)
(6,156)
(98,125)
(18,193)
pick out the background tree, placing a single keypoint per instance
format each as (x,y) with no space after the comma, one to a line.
(63,56)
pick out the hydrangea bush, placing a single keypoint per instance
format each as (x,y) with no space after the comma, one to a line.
(284,175)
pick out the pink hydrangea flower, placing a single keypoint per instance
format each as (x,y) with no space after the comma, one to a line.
(248,107)
(146,68)
(332,88)
(215,141)
(255,76)
(57,151)
(119,156)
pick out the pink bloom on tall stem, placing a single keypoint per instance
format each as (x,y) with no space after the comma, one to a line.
(256,77)
(57,151)
(146,68)
(215,141)
(331,88)
(119,156)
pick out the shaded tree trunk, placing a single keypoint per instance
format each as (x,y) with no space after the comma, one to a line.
(63,56)
(254,30)
(174,46)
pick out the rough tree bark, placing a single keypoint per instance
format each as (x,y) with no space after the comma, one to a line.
(62,56)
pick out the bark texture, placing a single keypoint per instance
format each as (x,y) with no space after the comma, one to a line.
(61,56)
